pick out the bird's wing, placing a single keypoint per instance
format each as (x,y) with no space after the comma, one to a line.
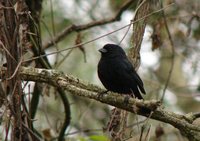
(140,83)
(128,72)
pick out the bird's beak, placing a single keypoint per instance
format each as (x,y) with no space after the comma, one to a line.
(102,50)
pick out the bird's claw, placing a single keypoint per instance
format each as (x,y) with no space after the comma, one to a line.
(100,95)
(126,99)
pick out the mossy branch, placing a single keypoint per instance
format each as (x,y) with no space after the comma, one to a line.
(147,108)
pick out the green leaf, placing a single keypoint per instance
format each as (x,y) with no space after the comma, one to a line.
(98,138)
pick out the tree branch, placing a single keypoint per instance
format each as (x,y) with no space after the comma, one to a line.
(148,108)
(60,36)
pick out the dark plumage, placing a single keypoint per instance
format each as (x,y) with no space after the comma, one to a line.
(117,73)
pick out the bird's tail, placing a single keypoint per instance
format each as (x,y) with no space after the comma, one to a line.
(137,93)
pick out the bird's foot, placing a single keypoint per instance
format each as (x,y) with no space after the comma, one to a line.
(100,95)
(126,99)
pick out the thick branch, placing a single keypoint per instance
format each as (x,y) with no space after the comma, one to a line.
(150,108)
(143,9)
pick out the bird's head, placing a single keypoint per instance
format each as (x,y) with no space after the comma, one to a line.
(111,50)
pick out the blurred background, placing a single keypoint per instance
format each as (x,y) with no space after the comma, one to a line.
(183,90)
(88,117)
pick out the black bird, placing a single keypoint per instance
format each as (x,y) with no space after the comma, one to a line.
(117,73)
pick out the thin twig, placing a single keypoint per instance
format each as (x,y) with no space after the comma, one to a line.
(102,36)
(73,28)
(7,51)
(132,20)
(31,132)
(67,113)
(173,53)
(16,69)
(125,34)
(148,132)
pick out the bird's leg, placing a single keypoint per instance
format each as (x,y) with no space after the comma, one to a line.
(102,93)
(127,97)
(132,94)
